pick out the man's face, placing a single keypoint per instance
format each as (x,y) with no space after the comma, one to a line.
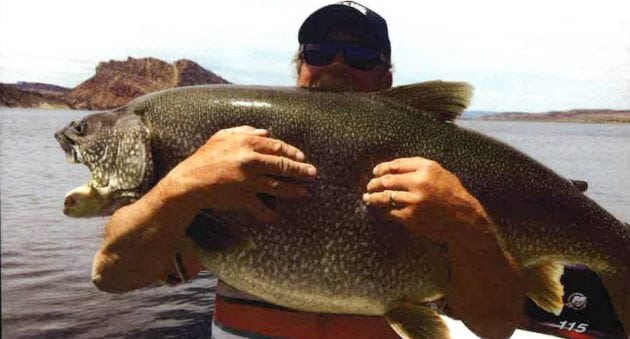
(339,76)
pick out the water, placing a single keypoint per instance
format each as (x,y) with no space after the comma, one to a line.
(46,257)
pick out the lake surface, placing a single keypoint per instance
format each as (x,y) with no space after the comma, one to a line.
(47,257)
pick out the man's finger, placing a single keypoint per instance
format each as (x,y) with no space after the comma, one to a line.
(401,165)
(398,214)
(395,182)
(391,199)
(245,129)
(276,166)
(259,210)
(279,188)
(277,147)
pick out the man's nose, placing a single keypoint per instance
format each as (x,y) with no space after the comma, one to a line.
(338,58)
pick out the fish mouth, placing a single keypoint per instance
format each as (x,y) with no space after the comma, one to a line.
(87,201)
(69,146)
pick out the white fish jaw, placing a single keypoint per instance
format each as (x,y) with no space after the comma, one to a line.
(84,202)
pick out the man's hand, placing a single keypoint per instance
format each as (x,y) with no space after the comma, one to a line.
(425,197)
(485,290)
(234,166)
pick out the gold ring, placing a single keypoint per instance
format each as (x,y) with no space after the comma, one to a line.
(392,200)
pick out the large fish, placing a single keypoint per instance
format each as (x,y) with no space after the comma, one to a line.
(330,253)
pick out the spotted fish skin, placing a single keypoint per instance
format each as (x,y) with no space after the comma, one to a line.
(304,261)
(331,253)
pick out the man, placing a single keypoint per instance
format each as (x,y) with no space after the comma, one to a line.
(343,47)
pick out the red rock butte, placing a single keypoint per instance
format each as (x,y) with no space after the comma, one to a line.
(118,82)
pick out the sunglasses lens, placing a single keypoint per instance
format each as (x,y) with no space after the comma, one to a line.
(358,57)
(319,54)
(361,58)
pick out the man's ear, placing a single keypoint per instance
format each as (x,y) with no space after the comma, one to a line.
(386,79)
(389,79)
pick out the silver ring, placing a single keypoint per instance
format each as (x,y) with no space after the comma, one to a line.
(392,200)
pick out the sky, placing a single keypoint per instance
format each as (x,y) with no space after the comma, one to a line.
(530,56)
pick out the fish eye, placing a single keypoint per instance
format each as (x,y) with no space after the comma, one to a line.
(81,127)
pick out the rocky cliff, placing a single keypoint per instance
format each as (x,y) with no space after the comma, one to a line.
(114,84)
(118,82)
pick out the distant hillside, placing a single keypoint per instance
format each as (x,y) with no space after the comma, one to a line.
(42,88)
(114,84)
(12,96)
(472,115)
(576,115)
(118,82)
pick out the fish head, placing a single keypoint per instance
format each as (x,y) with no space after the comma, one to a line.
(116,148)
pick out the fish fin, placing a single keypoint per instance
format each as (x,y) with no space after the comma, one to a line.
(544,287)
(134,163)
(212,233)
(412,321)
(443,100)
(618,287)
(581,185)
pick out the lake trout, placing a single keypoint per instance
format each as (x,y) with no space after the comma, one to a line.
(330,253)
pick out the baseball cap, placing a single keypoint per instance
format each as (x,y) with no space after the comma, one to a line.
(369,27)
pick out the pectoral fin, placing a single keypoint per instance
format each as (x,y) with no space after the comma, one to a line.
(544,287)
(212,233)
(411,321)
(133,159)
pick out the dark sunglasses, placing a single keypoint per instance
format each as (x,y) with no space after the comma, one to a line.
(321,54)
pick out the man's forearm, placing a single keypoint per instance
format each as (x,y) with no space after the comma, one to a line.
(476,250)
(485,286)
(141,240)
(482,261)
(225,174)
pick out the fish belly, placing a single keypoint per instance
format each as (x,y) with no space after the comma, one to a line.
(331,254)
